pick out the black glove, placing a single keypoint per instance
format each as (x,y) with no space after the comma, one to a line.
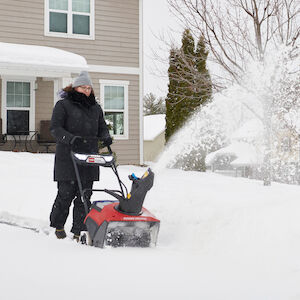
(76,139)
(107,141)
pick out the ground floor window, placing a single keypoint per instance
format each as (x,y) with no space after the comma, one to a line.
(18,106)
(114,100)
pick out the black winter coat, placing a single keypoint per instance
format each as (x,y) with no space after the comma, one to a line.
(76,115)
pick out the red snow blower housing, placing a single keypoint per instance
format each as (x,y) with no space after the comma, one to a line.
(124,222)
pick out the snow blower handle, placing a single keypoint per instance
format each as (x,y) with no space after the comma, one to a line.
(75,138)
(84,139)
(109,150)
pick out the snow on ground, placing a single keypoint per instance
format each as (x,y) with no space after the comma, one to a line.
(220,238)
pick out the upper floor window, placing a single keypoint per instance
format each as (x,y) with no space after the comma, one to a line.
(69,18)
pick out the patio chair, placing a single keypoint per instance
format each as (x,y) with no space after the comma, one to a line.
(44,137)
(3,137)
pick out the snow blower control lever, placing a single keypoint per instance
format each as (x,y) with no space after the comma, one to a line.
(133,203)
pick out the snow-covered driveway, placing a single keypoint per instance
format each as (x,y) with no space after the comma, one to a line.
(220,238)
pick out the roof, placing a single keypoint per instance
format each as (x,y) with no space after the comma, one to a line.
(38,60)
(154,125)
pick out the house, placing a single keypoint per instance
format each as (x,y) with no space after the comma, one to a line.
(238,157)
(44,44)
(244,152)
(154,136)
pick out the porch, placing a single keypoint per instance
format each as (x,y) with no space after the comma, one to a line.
(30,77)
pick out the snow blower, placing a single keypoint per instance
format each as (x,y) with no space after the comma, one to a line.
(123,222)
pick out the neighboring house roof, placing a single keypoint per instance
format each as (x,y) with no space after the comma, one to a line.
(19,57)
(245,154)
(154,125)
(242,146)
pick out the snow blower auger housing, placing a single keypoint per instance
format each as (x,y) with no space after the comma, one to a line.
(120,222)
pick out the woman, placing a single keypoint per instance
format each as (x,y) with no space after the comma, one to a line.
(76,122)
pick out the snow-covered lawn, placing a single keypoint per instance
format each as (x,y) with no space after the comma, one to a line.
(221,238)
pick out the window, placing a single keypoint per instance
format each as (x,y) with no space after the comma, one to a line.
(114,100)
(69,18)
(18,106)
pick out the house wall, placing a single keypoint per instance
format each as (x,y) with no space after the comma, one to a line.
(116,31)
(43,101)
(116,44)
(152,149)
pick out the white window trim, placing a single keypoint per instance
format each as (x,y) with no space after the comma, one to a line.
(31,109)
(124,84)
(47,32)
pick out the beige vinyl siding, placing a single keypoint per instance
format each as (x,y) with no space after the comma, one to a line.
(128,151)
(153,148)
(44,101)
(116,31)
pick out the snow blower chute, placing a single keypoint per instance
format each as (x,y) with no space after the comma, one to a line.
(123,222)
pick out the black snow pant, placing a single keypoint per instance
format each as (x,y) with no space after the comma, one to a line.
(67,192)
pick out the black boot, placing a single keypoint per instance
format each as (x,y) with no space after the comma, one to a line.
(60,233)
(76,238)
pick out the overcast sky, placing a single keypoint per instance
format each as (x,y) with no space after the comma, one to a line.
(158,21)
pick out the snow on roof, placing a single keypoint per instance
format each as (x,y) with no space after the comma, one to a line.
(16,55)
(245,154)
(154,125)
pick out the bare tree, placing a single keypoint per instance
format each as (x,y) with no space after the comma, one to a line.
(153,105)
(236,31)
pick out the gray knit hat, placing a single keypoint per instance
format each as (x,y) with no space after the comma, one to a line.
(82,79)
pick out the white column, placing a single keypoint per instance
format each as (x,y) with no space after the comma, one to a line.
(59,84)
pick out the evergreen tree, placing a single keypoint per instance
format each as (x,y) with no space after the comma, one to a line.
(189,82)
(203,79)
(185,107)
(173,95)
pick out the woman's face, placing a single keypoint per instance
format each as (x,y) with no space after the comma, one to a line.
(84,89)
